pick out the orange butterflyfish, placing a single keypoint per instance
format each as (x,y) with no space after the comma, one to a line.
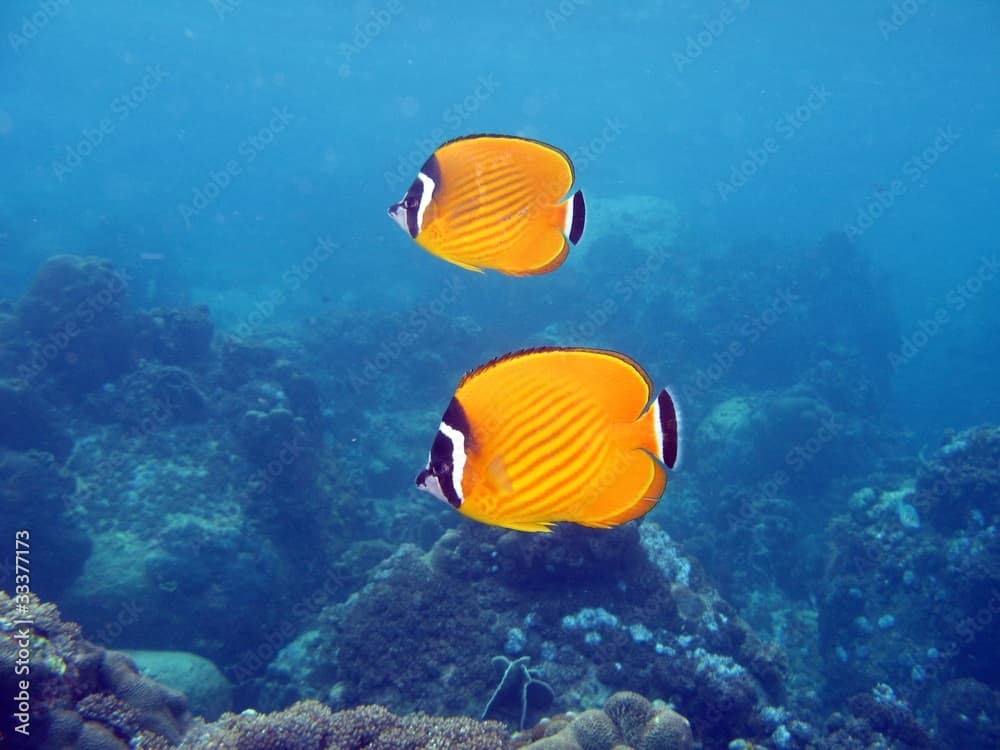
(495,201)
(547,435)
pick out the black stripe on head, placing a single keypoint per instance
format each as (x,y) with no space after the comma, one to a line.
(454,417)
(442,466)
(411,204)
(432,168)
(669,428)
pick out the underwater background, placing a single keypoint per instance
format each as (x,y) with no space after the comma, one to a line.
(221,367)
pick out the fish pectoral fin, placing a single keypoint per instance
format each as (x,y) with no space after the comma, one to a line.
(499,478)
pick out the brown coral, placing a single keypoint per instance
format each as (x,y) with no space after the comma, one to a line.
(160,709)
(668,730)
(630,712)
(83,696)
(628,721)
(594,730)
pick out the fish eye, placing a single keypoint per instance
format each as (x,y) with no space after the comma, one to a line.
(440,467)
(410,202)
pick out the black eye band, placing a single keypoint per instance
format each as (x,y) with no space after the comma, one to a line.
(411,204)
(442,458)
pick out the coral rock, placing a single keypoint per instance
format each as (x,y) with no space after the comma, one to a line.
(630,712)
(668,730)
(594,730)
(309,725)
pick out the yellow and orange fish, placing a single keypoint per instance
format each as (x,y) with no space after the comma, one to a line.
(495,201)
(546,435)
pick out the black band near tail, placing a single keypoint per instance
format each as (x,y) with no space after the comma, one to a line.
(579,217)
(670,428)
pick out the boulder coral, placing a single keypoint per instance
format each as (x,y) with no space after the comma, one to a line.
(628,721)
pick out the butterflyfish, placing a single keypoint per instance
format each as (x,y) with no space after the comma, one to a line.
(547,435)
(497,202)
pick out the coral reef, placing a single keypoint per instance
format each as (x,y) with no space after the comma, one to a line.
(77,694)
(174,336)
(628,721)
(309,725)
(246,499)
(208,691)
(911,591)
(28,424)
(75,324)
(35,497)
(506,592)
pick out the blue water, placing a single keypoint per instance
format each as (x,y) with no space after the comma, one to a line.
(693,88)
(242,154)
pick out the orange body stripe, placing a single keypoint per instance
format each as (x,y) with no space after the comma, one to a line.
(564,426)
(495,205)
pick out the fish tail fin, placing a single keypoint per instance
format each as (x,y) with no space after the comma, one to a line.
(660,431)
(638,475)
(572,216)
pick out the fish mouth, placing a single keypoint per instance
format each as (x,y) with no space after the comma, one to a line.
(429,483)
(398,214)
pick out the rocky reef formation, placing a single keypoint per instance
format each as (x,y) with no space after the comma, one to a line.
(309,725)
(640,616)
(912,591)
(71,693)
(628,721)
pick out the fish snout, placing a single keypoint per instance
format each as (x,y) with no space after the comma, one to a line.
(428,482)
(397,211)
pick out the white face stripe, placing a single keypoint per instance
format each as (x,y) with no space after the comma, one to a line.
(680,433)
(659,429)
(433,486)
(568,223)
(457,456)
(425,198)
